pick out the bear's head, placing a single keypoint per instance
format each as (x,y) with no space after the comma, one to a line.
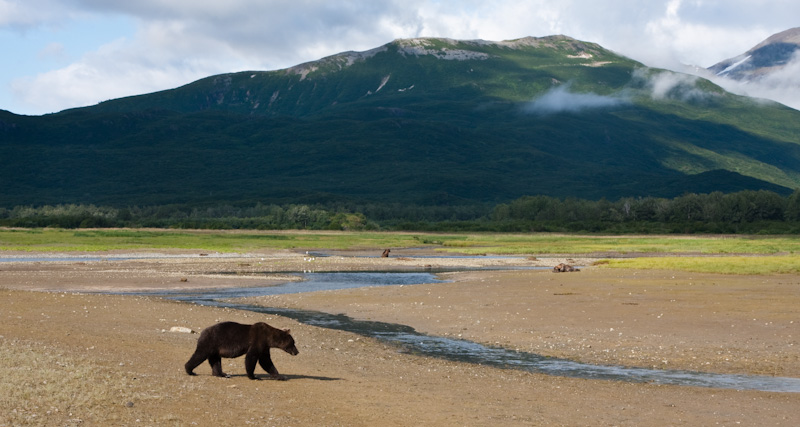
(287,343)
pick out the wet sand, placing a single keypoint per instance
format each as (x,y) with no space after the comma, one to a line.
(71,358)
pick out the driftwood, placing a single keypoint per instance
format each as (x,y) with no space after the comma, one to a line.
(564,268)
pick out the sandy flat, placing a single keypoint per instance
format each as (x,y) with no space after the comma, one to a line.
(72,358)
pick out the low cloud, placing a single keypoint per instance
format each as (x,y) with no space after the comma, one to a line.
(662,85)
(656,84)
(782,85)
(561,100)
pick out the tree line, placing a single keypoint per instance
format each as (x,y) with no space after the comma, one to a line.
(259,216)
(742,212)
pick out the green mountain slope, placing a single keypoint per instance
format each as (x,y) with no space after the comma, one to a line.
(426,121)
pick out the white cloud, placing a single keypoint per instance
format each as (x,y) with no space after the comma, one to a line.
(657,84)
(25,15)
(106,74)
(670,85)
(177,41)
(174,46)
(561,100)
(782,86)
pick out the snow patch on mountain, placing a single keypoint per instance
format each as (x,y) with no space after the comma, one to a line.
(383,83)
(734,66)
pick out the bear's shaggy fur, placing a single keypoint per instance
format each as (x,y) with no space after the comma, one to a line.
(231,339)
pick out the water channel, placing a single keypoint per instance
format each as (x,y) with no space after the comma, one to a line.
(409,340)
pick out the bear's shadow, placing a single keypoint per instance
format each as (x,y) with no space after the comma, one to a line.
(288,377)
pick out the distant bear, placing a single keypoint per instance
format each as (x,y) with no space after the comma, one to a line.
(385,253)
(231,339)
(564,268)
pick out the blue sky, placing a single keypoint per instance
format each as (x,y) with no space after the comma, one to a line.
(61,54)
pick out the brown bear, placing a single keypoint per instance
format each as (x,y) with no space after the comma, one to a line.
(231,339)
(564,268)
(385,253)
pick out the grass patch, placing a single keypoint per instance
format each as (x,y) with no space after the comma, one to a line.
(787,264)
(574,244)
(43,386)
(60,240)
(777,255)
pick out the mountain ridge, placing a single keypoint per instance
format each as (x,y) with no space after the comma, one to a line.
(425,48)
(421,121)
(764,58)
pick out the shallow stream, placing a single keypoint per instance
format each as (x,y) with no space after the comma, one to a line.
(409,340)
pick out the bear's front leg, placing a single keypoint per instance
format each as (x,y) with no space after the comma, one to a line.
(216,366)
(266,363)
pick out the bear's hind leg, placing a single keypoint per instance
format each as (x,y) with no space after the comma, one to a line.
(195,361)
(250,364)
(216,366)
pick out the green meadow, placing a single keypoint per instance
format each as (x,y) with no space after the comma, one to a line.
(63,240)
(779,264)
(723,254)
(68,240)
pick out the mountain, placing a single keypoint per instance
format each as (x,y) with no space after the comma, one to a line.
(416,121)
(768,57)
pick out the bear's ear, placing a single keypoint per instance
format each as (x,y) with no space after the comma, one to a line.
(286,330)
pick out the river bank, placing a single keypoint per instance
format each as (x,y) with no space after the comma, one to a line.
(71,358)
